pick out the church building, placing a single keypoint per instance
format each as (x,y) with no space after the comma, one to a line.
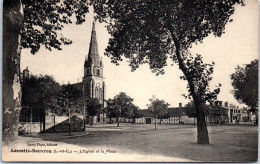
(92,86)
(93,80)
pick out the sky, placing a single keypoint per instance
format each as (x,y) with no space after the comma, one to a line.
(238,46)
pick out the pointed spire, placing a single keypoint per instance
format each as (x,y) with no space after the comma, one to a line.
(93,42)
(93,47)
(93,26)
(93,56)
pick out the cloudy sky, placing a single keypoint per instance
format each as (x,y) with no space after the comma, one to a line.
(238,46)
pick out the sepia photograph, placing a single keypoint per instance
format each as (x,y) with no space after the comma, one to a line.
(130,81)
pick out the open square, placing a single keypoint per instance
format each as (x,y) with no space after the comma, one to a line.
(233,143)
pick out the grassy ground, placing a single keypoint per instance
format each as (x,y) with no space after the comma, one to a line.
(229,143)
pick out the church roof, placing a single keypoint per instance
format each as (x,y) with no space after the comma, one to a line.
(93,56)
(93,48)
(79,86)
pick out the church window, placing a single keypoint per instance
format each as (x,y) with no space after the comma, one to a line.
(98,73)
(100,94)
(97,93)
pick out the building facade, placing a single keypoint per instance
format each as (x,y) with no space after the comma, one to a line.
(218,114)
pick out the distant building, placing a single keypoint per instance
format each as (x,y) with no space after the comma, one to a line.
(235,114)
(217,114)
(175,115)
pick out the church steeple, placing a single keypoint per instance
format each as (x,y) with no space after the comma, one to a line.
(93,80)
(93,56)
(93,47)
(93,65)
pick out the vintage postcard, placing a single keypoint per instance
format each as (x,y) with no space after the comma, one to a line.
(130,81)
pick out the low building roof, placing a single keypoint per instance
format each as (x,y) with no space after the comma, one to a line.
(146,113)
(173,112)
(177,112)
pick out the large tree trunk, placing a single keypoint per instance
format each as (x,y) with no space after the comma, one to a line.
(12,26)
(202,132)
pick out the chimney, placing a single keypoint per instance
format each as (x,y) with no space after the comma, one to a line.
(220,103)
(180,105)
(26,73)
(226,104)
